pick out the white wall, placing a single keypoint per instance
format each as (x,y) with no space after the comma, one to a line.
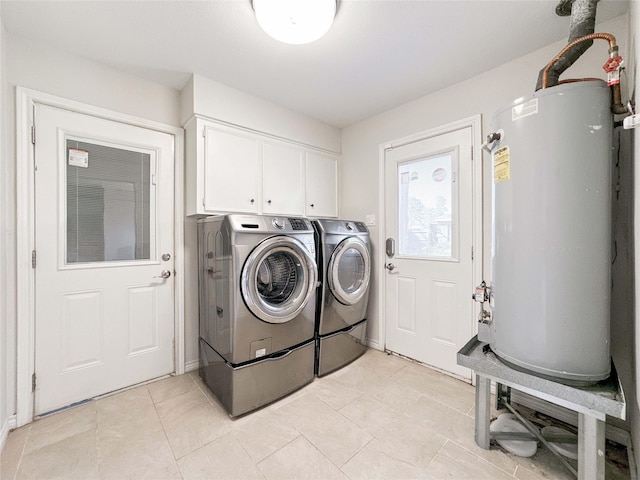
(483,94)
(220,102)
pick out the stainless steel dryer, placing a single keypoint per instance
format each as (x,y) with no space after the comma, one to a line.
(258,280)
(344,263)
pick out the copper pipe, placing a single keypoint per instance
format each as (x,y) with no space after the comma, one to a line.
(603,36)
(618,108)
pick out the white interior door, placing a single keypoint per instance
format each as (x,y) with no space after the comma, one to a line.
(429,268)
(104,313)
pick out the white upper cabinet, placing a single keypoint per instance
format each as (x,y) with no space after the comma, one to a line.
(321,185)
(230,169)
(282,178)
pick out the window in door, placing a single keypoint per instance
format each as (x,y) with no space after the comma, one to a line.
(427,209)
(109,203)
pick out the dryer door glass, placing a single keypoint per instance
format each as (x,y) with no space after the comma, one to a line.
(349,271)
(278,279)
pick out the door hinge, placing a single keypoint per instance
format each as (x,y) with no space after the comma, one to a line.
(472,253)
(33,259)
(472,153)
(33,134)
(33,382)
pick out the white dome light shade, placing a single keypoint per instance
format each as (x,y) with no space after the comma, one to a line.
(295,21)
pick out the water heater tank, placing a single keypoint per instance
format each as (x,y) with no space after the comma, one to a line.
(551,250)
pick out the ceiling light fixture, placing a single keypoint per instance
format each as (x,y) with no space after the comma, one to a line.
(295,21)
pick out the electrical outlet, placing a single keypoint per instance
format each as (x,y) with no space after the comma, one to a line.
(370,220)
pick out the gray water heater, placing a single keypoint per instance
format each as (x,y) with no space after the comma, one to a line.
(551,252)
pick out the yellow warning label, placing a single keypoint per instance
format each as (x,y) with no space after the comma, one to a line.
(501,165)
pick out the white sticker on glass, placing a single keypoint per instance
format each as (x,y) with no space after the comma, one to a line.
(78,158)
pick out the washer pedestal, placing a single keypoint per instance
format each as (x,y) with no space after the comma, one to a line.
(243,388)
(592,403)
(340,348)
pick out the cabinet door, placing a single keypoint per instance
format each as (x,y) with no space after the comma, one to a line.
(231,171)
(282,179)
(321,185)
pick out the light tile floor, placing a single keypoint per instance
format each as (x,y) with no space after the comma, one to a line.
(382,417)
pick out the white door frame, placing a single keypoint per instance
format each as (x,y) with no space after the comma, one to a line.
(26,100)
(475,123)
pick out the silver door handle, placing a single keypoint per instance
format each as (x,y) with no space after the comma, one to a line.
(390,266)
(164,274)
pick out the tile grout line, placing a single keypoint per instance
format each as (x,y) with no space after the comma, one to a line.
(96,433)
(173,453)
(356,453)
(164,431)
(21,456)
(285,445)
(426,467)
(483,459)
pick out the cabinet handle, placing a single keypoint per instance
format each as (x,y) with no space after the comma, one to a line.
(252,200)
(269,202)
(312,205)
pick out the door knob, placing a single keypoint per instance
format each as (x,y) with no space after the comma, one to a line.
(389,266)
(164,274)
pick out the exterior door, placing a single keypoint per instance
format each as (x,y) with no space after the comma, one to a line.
(104,313)
(429,274)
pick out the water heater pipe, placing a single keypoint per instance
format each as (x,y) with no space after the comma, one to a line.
(582,23)
(618,107)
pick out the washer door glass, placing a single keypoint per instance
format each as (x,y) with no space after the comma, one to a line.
(278,279)
(349,271)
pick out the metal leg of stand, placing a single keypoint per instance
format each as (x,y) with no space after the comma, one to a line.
(591,447)
(483,411)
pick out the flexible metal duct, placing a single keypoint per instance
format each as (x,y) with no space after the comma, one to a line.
(583,22)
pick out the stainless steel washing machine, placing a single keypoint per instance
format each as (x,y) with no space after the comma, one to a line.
(257,281)
(344,263)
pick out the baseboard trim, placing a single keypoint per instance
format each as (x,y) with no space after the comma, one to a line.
(373,344)
(192,365)
(4,431)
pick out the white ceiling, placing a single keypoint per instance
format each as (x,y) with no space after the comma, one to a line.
(378,54)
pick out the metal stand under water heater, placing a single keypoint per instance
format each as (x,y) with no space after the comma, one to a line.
(551,254)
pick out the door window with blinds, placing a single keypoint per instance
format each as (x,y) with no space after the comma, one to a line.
(427,207)
(110,203)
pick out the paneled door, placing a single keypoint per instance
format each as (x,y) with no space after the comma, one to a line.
(104,205)
(429,274)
